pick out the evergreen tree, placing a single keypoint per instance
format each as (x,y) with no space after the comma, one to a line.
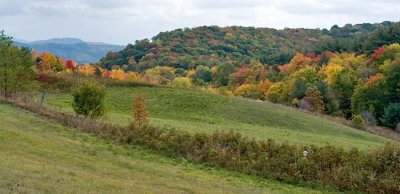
(16,72)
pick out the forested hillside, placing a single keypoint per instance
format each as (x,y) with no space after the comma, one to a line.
(210,46)
(350,71)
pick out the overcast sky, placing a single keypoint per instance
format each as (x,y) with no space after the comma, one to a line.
(124,21)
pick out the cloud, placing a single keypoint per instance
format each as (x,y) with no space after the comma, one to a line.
(124,21)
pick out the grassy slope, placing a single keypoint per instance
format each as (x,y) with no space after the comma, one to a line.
(199,111)
(39,156)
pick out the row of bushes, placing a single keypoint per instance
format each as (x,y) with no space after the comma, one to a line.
(327,166)
(376,172)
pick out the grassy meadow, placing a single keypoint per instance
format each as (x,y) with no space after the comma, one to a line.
(41,156)
(199,111)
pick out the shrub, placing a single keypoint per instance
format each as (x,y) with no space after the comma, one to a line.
(224,91)
(247,90)
(296,102)
(368,117)
(358,121)
(132,76)
(391,116)
(181,82)
(338,113)
(88,100)
(140,116)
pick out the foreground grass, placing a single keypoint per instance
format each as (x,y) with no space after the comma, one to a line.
(40,156)
(199,111)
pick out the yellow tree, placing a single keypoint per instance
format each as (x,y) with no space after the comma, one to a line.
(160,75)
(330,71)
(181,82)
(132,76)
(86,70)
(117,74)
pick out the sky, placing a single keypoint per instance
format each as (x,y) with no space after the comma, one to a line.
(124,21)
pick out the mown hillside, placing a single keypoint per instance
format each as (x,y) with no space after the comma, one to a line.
(199,111)
(40,156)
(213,45)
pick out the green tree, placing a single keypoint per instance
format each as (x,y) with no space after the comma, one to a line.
(370,95)
(391,116)
(223,72)
(16,72)
(88,100)
(299,82)
(5,60)
(330,102)
(392,74)
(343,85)
(203,74)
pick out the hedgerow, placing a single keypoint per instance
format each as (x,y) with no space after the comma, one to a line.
(327,166)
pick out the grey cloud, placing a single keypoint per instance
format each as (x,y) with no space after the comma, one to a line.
(11,7)
(227,4)
(123,21)
(340,7)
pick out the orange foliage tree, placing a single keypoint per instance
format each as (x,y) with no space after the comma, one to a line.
(140,115)
(48,62)
(263,87)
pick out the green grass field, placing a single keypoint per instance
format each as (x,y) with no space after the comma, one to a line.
(40,156)
(199,111)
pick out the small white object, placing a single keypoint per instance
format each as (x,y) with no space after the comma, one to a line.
(305,153)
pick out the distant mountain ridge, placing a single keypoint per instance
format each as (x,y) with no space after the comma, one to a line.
(59,41)
(73,48)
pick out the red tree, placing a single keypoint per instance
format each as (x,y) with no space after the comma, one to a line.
(70,64)
(379,51)
(107,74)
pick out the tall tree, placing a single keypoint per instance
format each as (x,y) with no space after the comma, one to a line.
(16,72)
(5,60)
